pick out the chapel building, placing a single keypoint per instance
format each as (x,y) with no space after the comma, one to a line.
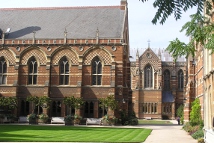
(157,83)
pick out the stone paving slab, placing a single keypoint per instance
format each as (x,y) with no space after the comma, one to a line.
(168,134)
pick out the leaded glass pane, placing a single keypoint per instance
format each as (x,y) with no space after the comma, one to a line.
(35,67)
(94,65)
(166,80)
(180,79)
(96,71)
(4,79)
(30,79)
(66,79)
(99,78)
(4,67)
(64,71)
(148,77)
(34,79)
(93,79)
(61,68)
(99,70)
(1,77)
(1,67)
(61,79)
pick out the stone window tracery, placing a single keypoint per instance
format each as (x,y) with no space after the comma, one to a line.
(148,76)
(180,79)
(32,71)
(96,71)
(3,71)
(166,80)
(64,71)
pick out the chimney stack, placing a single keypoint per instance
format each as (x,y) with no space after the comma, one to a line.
(123,4)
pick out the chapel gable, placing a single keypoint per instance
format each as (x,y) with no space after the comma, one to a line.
(149,57)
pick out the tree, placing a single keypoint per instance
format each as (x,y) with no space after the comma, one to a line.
(10,102)
(167,7)
(39,101)
(103,104)
(200,29)
(73,102)
(108,103)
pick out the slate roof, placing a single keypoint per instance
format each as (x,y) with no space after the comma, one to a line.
(165,56)
(50,23)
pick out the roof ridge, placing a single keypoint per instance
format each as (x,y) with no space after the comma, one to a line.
(55,8)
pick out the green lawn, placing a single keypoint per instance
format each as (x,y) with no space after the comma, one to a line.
(38,133)
(153,122)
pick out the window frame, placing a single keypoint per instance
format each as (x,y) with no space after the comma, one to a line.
(166,80)
(96,71)
(3,71)
(180,80)
(64,62)
(148,77)
(32,75)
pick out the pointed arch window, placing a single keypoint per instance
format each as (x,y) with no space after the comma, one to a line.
(64,71)
(96,71)
(166,80)
(180,79)
(32,71)
(148,77)
(3,71)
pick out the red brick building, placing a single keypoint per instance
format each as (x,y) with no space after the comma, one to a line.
(65,51)
(157,84)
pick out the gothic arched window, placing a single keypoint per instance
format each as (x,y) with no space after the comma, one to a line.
(180,79)
(148,77)
(32,71)
(64,71)
(3,71)
(166,80)
(96,71)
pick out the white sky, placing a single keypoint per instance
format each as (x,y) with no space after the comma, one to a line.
(140,15)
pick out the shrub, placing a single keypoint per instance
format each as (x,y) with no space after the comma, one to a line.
(201,140)
(128,119)
(69,118)
(195,114)
(134,121)
(109,120)
(198,134)
(76,116)
(187,127)
(32,117)
(43,117)
(124,118)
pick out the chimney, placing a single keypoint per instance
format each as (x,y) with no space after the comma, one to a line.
(123,4)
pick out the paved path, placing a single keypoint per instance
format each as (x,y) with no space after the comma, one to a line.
(168,134)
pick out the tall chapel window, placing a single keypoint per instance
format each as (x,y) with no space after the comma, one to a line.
(180,79)
(96,71)
(148,77)
(166,80)
(3,71)
(64,71)
(32,71)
